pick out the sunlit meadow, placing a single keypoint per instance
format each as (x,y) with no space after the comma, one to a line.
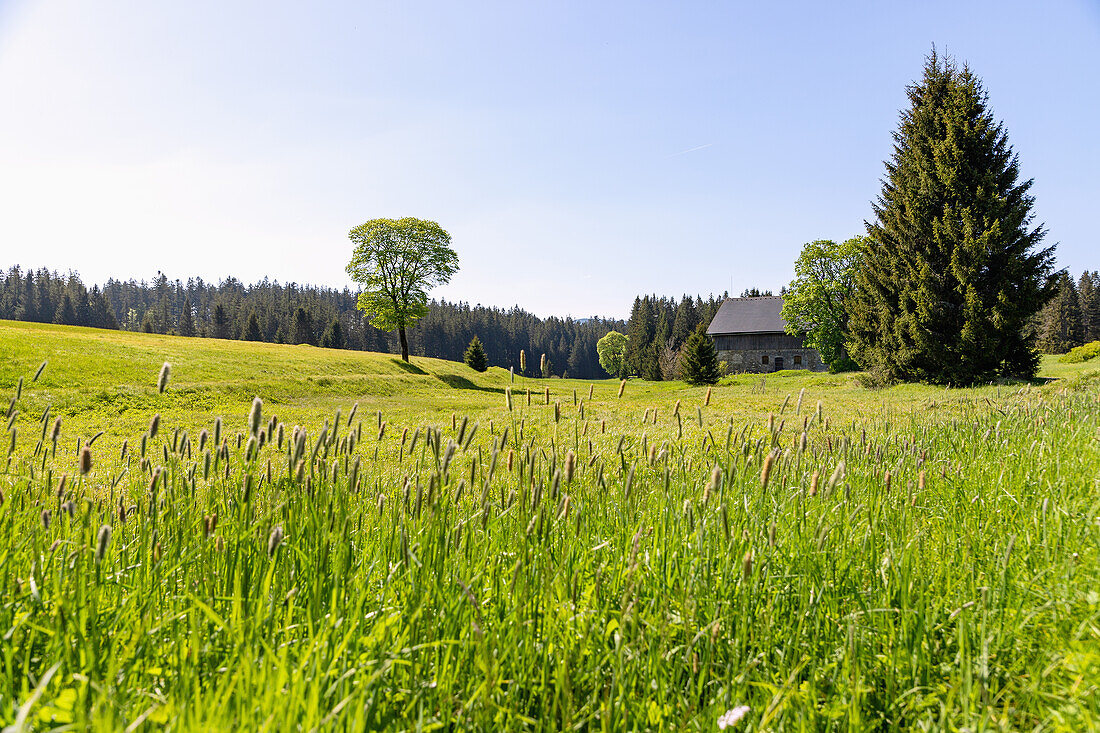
(265,537)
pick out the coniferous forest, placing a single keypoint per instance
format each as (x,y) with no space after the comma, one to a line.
(305,314)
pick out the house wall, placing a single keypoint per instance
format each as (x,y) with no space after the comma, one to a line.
(746,352)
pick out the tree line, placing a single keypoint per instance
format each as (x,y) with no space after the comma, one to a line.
(301,314)
(657,330)
(1072,317)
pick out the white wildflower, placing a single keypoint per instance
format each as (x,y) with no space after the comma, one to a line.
(730,718)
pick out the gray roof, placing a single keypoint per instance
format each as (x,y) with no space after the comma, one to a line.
(749,315)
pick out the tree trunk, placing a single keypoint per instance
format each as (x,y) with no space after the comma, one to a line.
(404,343)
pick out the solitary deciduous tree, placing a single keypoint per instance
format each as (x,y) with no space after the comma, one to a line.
(953,275)
(396,261)
(611,350)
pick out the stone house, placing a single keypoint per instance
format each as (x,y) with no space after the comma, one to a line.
(749,335)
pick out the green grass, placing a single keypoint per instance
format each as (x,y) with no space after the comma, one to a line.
(430,575)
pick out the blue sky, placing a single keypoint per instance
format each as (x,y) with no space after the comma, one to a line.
(578,153)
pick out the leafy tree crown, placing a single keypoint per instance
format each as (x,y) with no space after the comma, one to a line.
(397,261)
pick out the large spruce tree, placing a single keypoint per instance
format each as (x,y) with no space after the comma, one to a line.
(953,274)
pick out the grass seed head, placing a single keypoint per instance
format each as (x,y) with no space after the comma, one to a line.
(746,565)
(162,380)
(814,482)
(255,415)
(837,475)
(570,466)
(56,432)
(45,517)
(622,386)
(274,540)
(85,460)
(103,539)
(154,425)
(766,470)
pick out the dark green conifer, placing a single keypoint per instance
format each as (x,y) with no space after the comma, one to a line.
(1088,290)
(302,328)
(1061,326)
(953,275)
(252,330)
(66,312)
(641,356)
(699,360)
(333,337)
(187,319)
(221,322)
(475,356)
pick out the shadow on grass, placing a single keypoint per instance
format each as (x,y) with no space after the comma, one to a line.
(408,366)
(454,381)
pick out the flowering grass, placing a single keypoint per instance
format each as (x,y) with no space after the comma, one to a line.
(907,558)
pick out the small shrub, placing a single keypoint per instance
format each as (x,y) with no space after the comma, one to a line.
(843,364)
(1081,354)
(874,378)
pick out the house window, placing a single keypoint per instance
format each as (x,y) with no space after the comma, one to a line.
(764,359)
(798,360)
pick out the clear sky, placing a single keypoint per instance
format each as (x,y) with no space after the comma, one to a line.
(579,153)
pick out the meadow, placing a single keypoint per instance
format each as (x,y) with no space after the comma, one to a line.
(292,538)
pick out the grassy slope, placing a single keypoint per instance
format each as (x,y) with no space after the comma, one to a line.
(106,380)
